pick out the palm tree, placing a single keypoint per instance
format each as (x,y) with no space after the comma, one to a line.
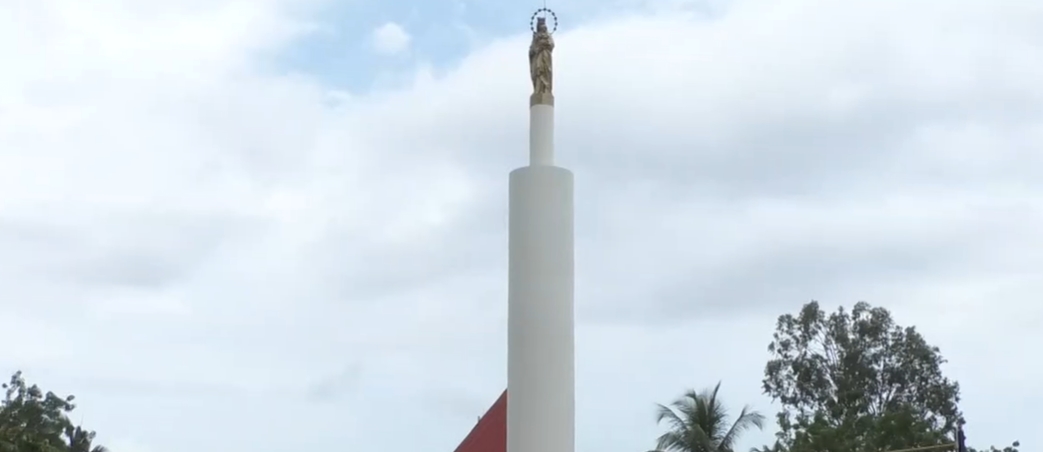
(698,422)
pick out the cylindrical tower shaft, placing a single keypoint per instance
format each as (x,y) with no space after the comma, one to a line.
(540,339)
(541,129)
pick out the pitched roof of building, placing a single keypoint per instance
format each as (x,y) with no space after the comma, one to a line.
(490,434)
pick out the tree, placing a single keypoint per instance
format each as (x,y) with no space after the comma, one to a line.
(81,440)
(857,382)
(777,447)
(698,422)
(32,421)
(1010,448)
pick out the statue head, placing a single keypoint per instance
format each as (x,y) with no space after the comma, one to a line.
(541,24)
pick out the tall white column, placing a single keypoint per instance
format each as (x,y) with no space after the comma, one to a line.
(541,129)
(540,339)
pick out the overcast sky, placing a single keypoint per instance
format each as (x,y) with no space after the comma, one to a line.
(280,225)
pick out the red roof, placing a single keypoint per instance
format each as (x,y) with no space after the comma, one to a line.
(490,434)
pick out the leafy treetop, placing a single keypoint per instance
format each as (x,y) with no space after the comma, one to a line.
(857,381)
(34,421)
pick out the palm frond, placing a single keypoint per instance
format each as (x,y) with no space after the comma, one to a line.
(698,422)
(746,420)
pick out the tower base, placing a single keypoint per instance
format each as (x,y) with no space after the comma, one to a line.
(540,320)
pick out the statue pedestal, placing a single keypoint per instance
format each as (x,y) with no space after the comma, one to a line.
(541,99)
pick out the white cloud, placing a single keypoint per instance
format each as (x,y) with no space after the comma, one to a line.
(390,39)
(193,242)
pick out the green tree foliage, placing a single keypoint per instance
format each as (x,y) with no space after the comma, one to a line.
(698,422)
(777,447)
(856,381)
(34,421)
(1010,448)
(81,440)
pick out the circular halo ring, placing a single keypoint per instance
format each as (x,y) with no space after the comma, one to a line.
(532,20)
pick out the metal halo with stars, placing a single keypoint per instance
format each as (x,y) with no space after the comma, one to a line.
(532,20)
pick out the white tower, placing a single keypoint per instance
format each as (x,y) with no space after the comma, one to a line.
(540,339)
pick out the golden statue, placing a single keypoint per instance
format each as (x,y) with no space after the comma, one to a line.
(541,68)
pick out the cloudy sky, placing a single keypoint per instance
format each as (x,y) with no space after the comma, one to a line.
(280,225)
